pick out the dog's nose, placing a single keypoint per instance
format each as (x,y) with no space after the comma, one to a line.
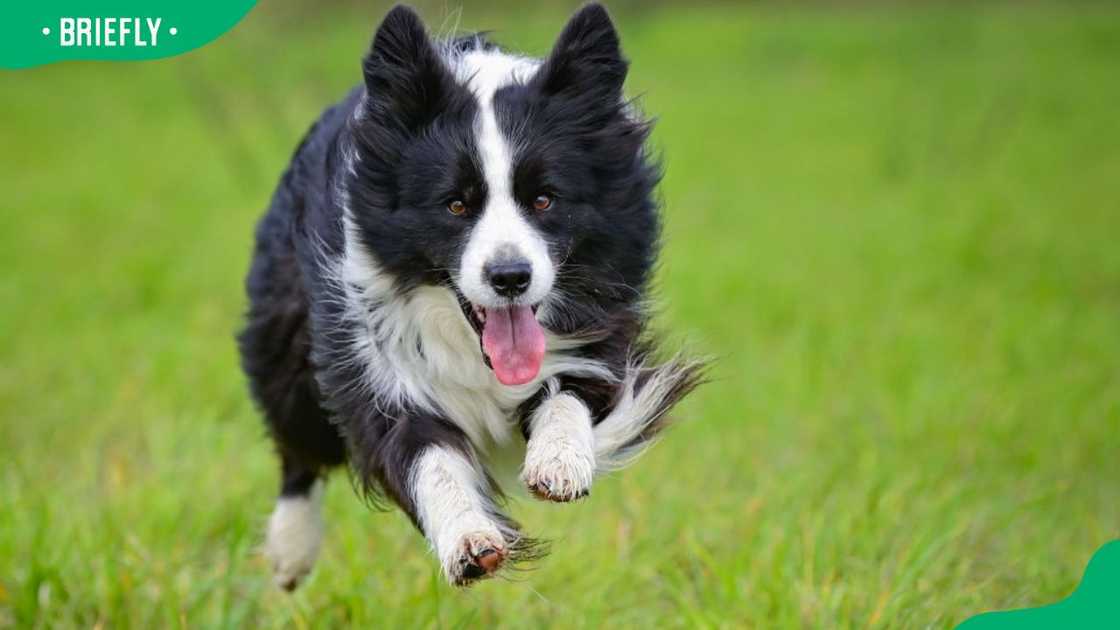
(509,279)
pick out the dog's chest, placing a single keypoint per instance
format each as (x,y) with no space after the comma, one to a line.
(461,384)
(421,351)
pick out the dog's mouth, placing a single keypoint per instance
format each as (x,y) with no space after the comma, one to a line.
(511,339)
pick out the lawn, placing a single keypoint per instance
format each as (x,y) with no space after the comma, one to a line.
(896,227)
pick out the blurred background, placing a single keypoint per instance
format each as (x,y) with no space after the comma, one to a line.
(895,223)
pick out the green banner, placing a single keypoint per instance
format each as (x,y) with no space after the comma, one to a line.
(36,32)
(1095,603)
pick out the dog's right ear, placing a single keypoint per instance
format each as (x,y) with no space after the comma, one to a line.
(586,59)
(406,80)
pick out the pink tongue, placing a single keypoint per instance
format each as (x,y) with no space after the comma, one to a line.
(514,341)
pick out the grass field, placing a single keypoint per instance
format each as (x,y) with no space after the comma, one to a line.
(897,227)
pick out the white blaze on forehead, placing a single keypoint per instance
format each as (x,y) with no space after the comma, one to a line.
(501,223)
(485,72)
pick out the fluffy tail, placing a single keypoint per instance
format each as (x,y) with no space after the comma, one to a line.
(640,413)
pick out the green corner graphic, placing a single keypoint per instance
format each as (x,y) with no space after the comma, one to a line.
(1095,603)
(37,32)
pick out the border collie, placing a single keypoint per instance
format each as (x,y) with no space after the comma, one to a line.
(460,250)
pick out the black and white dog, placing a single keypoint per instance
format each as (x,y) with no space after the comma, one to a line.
(460,249)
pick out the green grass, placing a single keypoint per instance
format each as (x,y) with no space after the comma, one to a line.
(896,227)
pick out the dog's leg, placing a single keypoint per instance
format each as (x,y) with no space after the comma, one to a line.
(295,529)
(275,354)
(429,468)
(560,456)
(455,511)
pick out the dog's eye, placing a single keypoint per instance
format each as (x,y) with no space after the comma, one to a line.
(542,202)
(456,207)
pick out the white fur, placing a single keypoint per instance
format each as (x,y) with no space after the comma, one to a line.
(295,533)
(560,456)
(454,511)
(501,224)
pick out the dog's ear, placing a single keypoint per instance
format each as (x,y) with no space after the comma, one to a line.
(405,77)
(586,59)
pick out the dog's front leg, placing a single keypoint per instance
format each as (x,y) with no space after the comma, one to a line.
(429,468)
(560,455)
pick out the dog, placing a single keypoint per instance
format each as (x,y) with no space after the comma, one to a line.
(460,250)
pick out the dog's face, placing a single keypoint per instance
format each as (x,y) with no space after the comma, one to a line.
(518,184)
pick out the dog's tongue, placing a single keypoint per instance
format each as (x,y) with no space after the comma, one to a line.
(514,341)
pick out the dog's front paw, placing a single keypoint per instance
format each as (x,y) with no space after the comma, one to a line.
(557,469)
(474,556)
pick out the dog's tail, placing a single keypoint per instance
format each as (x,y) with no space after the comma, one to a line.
(641,410)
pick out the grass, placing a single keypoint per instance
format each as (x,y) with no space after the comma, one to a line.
(896,226)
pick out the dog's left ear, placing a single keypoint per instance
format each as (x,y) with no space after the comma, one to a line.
(405,78)
(586,59)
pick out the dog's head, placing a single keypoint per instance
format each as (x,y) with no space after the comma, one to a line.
(520,184)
